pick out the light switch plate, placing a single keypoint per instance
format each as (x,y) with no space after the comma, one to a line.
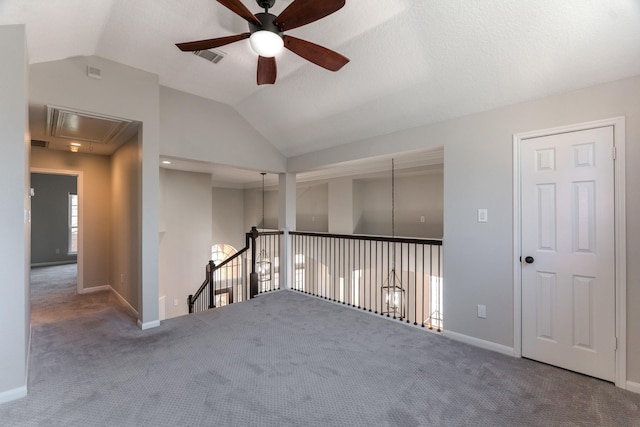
(483,215)
(482,311)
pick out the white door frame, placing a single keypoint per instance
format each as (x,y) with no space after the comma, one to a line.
(80,191)
(618,124)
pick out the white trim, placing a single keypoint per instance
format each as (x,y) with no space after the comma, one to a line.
(618,124)
(26,374)
(633,387)
(148,325)
(52,263)
(477,342)
(124,302)
(80,187)
(19,392)
(517,264)
(95,289)
(13,394)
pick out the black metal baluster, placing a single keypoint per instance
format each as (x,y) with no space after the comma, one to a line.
(294,253)
(430,325)
(349,274)
(370,283)
(389,275)
(333,271)
(401,278)
(358,268)
(438,285)
(323,249)
(415,285)
(374,288)
(309,283)
(309,288)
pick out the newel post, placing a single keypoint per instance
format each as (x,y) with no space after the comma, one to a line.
(253,277)
(212,299)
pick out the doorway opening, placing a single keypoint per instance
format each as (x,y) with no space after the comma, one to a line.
(56,219)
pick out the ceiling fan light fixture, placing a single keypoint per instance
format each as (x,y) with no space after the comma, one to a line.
(266,43)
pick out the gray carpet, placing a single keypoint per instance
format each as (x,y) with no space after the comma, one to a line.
(286,359)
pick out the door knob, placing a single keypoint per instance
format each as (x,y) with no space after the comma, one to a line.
(529,260)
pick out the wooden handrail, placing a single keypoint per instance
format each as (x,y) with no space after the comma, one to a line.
(435,242)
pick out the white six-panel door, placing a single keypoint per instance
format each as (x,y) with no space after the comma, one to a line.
(567,221)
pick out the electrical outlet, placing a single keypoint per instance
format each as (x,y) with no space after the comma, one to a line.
(57,251)
(175,302)
(422,218)
(482,311)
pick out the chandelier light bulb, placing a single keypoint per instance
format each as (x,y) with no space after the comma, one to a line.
(266,44)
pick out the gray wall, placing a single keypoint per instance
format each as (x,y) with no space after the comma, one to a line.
(204,130)
(419,193)
(478,173)
(125,274)
(312,208)
(228,217)
(50,218)
(185,242)
(416,196)
(14,213)
(253,209)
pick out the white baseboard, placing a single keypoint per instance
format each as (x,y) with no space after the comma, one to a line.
(125,303)
(148,325)
(52,263)
(477,342)
(633,386)
(134,312)
(16,393)
(26,373)
(94,289)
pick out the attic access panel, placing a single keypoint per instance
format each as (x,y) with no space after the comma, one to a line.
(80,126)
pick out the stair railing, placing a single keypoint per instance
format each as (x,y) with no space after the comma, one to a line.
(210,275)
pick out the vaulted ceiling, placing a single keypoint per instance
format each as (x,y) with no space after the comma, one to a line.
(413,62)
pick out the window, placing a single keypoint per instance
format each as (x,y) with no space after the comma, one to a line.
(73,224)
(221,252)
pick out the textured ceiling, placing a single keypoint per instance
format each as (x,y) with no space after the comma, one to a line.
(413,62)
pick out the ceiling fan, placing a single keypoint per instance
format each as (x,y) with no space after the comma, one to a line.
(267,39)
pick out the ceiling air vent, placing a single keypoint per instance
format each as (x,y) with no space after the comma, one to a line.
(94,72)
(210,55)
(39,144)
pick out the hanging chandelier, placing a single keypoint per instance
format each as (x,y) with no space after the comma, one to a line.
(263,263)
(393,298)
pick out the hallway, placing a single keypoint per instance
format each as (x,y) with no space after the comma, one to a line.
(54,296)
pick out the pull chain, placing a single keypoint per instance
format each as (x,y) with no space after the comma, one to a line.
(263,174)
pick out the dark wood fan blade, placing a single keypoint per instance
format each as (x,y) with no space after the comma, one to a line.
(240,9)
(267,70)
(211,43)
(303,12)
(317,54)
